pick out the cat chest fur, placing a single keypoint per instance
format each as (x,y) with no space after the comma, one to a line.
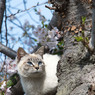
(33,86)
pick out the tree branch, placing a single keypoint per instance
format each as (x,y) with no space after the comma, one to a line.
(7,51)
(2,8)
(20,11)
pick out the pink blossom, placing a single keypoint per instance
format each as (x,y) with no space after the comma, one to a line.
(8,91)
(3,86)
(47,37)
(10,66)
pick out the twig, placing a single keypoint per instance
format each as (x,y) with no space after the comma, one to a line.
(2,67)
(20,11)
(20,24)
(16,24)
(51,8)
(6,28)
(24,2)
(6,77)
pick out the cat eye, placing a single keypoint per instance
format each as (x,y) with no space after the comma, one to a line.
(30,63)
(40,62)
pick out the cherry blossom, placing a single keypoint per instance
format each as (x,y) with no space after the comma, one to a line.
(8,91)
(47,37)
(10,66)
(3,86)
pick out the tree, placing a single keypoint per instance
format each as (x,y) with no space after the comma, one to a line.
(75,70)
(76,67)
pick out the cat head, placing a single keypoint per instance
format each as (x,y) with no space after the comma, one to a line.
(30,65)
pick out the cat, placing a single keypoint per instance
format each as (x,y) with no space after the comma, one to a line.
(37,71)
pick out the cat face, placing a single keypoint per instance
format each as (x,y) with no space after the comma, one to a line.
(30,65)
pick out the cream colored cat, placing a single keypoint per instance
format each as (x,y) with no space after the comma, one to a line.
(37,71)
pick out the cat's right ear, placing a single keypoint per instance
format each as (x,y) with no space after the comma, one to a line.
(20,53)
(40,51)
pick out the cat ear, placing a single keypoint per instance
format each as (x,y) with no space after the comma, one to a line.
(20,53)
(40,51)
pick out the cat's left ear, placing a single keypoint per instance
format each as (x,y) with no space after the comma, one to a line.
(20,53)
(41,51)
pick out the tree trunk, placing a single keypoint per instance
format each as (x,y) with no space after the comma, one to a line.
(76,68)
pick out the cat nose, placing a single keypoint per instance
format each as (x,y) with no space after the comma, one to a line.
(37,68)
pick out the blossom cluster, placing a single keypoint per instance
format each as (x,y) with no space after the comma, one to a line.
(9,69)
(47,37)
(10,66)
(4,89)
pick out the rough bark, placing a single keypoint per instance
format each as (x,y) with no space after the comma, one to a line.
(17,89)
(2,8)
(76,68)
